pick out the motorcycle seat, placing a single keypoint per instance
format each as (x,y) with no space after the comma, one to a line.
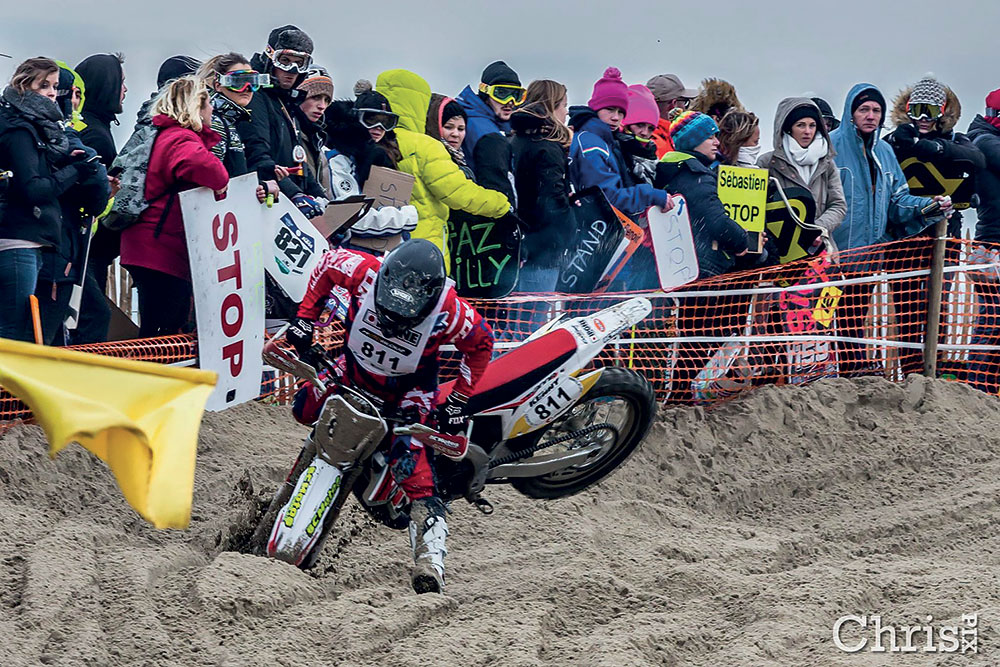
(511,374)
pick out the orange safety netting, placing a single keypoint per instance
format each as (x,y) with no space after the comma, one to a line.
(864,313)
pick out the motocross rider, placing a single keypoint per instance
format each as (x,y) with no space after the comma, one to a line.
(403,308)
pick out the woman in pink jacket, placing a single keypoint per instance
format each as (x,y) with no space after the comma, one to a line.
(154,249)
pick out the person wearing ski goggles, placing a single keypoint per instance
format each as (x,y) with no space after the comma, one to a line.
(287,57)
(926,132)
(925,129)
(488,108)
(232,83)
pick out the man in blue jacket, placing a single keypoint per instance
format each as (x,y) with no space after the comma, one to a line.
(486,148)
(877,197)
(876,190)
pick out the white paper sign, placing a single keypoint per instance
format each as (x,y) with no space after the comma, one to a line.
(225,241)
(293,247)
(673,245)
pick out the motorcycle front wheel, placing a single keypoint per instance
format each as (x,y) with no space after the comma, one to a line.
(622,398)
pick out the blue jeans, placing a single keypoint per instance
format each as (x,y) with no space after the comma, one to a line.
(19,269)
(532,314)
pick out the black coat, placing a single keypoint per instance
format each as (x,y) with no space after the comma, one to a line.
(986,138)
(102,75)
(346,135)
(717,237)
(942,147)
(541,178)
(492,157)
(270,135)
(30,209)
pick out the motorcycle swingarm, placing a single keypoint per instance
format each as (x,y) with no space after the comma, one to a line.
(540,465)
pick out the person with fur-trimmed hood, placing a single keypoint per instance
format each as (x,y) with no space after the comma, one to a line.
(925,116)
(716,98)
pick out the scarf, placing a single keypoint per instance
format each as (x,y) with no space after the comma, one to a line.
(805,160)
(44,115)
(224,107)
(747,156)
(993,120)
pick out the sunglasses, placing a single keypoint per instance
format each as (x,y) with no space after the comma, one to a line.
(290,61)
(372,118)
(241,80)
(505,94)
(922,111)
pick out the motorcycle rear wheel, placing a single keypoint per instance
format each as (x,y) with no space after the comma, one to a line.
(621,397)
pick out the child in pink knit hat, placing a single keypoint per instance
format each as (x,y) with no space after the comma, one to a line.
(610,98)
(643,115)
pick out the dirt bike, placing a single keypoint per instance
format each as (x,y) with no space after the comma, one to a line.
(541,421)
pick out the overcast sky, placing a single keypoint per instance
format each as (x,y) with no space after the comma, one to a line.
(768,49)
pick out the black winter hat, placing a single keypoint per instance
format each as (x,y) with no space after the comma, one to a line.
(174,68)
(290,37)
(368,98)
(825,110)
(868,95)
(499,73)
(797,114)
(64,92)
(451,110)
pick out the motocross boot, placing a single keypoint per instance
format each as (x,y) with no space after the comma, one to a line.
(428,531)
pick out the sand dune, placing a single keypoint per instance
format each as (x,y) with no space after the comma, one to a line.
(735,536)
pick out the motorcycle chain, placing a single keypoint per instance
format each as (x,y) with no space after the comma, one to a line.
(524,453)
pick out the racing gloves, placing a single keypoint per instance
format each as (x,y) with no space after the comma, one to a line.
(300,336)
(452,416)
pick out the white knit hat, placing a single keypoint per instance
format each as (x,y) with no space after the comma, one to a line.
(928,91)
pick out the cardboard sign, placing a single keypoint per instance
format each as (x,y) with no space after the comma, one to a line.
(634,235)
(389,187)
(599,235)
(225,241)
(794,239)
(292,247)
(947,177)
(485,256)
(673,245)
(743,192)
(341,214)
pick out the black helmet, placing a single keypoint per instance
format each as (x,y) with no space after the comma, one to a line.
(408,286)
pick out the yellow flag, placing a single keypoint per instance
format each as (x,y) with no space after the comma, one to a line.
(139,417)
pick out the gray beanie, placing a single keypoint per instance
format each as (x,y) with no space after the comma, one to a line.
(928,91)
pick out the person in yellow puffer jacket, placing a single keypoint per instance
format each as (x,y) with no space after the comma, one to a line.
(440,185)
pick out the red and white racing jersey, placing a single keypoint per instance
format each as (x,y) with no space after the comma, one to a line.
(389,367)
